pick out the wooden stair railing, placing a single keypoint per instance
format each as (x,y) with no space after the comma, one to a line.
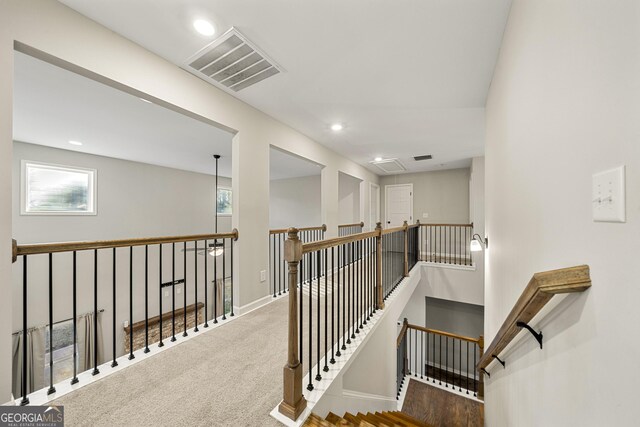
(347,229)
(440,356)
(357,290)
(541,289)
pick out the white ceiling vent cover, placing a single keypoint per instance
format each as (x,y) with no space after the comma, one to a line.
(232,61)
(389,166)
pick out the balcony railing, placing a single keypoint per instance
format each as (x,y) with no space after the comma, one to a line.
(90,276)
(277,237)
(446,244)
(332,299)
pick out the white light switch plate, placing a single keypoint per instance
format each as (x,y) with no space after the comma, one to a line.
(263,275)
(608,196)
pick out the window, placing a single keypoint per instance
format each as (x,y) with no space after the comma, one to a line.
(224,201)
(57,190)
(63,348)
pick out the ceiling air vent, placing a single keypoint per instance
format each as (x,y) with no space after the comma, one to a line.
(425,157)
(233,62)
(389,165)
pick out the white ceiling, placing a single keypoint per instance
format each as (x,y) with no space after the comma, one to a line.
(406,78)
(53,106)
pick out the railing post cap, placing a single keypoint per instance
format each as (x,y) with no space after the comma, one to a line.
(378,226)
(361,224)
(324,227)
(292,233)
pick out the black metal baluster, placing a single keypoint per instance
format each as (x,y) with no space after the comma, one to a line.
(415,353)
(318,261)
(310,278)
(440,362)
(362,299)
(345,291)
(231,278)
(273,264)
(74,380)
(195,286)
(131,356)
(52,389)
(421,355)
(333,302)
(184,289)
(446,362)
(354,294)
(25,399)
(224,281)
(206,283)
(467,387)
(96,371)
(215,284)
(326,313)
(408,337)
(278,264)
(460,366)
(146,299)
(474,370)
(173,291)
(160,311)
(426,360)
(433,377)
(114,363)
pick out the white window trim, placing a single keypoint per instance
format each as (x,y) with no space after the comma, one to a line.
(23,189)
(216,204)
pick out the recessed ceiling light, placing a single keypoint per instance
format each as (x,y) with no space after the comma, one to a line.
(204,27)
(336,127)
(378,159)
(75,142)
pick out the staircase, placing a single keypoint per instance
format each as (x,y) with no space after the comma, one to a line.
(379,419)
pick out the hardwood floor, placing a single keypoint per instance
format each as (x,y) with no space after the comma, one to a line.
(441,408)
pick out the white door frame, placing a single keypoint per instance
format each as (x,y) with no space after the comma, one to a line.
(374,217)
(386,204)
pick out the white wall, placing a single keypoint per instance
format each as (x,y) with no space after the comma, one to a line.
(295,202)
(348,199)
(564,104)
(51,31)
(443,195)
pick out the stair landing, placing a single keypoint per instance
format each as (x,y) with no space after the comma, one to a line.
(441,408)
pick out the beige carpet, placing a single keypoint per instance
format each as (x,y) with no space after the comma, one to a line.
(231,376)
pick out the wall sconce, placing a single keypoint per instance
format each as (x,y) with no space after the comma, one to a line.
(477,242)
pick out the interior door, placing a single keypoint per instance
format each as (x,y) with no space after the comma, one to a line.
(398,205)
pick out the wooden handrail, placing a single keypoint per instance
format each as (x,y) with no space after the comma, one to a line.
(541,288)
(403,331)
(445,334)
(336,241)
(393,230)
(357,224)
(445,225)
(322,227)
(45,248)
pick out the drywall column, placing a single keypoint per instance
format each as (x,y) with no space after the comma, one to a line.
(250,184)
(329,200)
(6,146)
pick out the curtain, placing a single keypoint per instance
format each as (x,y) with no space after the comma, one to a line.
(35,361)
(86,341)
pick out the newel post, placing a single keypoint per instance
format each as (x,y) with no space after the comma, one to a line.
(380,299)
(293,402)
(406,248)
(481,376)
